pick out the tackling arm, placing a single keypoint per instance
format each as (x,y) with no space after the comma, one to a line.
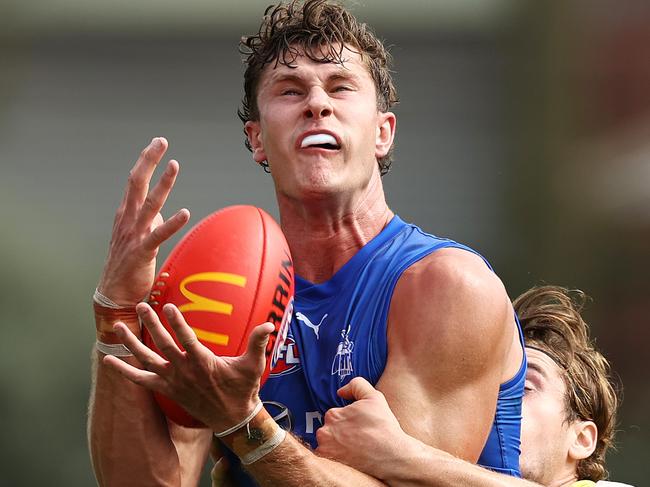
(368,424)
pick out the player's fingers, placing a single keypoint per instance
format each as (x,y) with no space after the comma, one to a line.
(159,333)
(331,414)
(158,195)
(149,359)
(324,438)
(150,380)
(184,333)
(165,230)
(257,342)
(140,176)
(357,388)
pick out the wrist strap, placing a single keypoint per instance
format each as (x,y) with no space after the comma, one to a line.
(107,312)
(265,448)
(106,302)
(240,425)
(115,349)
(107,316)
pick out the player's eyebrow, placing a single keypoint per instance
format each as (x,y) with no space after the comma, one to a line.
(538,369)
(343,76)
(342,73)
(279,78)
(339,74)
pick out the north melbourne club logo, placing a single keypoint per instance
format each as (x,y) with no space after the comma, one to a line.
(342,363)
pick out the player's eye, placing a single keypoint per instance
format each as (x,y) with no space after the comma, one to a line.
(528,387)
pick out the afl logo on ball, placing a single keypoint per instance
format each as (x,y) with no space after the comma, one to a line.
(288,358)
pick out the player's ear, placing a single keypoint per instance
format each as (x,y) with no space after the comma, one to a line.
(585,437)
(385,133)
(254,135)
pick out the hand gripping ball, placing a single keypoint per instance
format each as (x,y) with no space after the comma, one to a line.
(228,274)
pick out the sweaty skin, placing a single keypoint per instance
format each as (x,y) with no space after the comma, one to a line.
(449,345)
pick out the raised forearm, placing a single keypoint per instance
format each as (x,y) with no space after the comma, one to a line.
(128,436)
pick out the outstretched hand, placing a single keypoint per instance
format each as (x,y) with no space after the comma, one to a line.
(218,391)
(139,229)
(365,435)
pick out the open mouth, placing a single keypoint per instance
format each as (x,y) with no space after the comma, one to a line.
(320,141)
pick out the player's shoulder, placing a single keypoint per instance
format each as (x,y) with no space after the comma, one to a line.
(453,273)
(451,289)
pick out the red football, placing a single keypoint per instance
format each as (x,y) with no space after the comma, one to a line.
(230,273)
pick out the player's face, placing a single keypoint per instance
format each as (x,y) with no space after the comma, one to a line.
(544,430)
(319,127)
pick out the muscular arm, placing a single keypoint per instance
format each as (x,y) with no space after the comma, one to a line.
(452,341)
(129,439)
(128,434)
(400,460)
(192,446)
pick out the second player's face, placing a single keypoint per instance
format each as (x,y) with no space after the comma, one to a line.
(319,127)
(544,429)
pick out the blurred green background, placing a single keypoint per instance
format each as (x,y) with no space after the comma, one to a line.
(523,131)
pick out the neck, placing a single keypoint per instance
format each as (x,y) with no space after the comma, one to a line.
(324,233)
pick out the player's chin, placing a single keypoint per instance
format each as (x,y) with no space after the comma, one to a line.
(317,178)
(321,186)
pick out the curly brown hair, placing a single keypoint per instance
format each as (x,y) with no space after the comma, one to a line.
(551,322)
(319,29)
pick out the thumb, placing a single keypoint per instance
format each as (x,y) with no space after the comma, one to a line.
(257,341)
(357,388)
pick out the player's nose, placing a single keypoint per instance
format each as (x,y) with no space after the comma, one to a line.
(317,103)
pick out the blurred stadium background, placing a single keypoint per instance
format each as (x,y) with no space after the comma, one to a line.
(524,131)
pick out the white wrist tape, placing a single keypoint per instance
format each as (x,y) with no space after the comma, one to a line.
(265,448)
(115,349)
(246,420)
(102,300)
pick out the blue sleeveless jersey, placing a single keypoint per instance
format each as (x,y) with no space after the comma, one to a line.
(338,332)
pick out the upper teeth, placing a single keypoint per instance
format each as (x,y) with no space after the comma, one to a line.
(317,139)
